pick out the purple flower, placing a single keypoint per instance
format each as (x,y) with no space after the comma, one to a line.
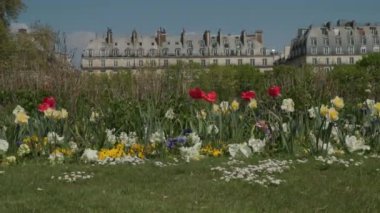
(172,142)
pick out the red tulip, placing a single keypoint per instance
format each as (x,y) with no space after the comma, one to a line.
(196,93)
(210,97)
(49,101)
(43,107)
(248,95)
(274,91)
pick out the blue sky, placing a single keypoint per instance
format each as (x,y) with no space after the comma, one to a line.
(279,19)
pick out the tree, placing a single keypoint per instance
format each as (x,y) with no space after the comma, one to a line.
(9,10)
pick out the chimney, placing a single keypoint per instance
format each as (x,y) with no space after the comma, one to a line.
(183,37)
(109,39)
(259,36)
(242,37)
(161,36)
(206,38)
(219,38)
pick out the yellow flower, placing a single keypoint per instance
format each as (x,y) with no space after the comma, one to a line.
(202,114)
(234,105)
(64,114)
(324,110)
(216,153)
(49,113)
(338,102)
(376,109)
(333,115)
(215,108)
(21,118)
(252,104)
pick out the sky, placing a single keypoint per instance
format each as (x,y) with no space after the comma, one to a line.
(82,20)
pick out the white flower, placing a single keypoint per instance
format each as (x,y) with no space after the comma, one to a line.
(94,116)
(4,145)
(335,134)
(354,144)
(56,157)
(111,138)
(10,159)
(370,103)
(54,138)
(322,146)
(18,109)
(191,153)
(73,146)
(224,106)
(170,114)
(236,150)
(128,140)
(313,112)
(157,137)
(257,145)
(89,155)
(23,150)
(202,114)
(212,129)
(287,105)
(194,138)
(285,127)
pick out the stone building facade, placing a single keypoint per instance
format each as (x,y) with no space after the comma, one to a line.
(162,50)
(329,45)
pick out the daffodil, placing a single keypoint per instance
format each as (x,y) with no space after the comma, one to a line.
(338,102)
(224,105)
(252,104)
(333,115)
(376,109)
(21,118)
(323,110)
(234,105)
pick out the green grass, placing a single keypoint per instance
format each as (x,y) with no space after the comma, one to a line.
(189,187)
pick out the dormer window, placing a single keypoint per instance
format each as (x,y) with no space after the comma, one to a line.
(190,51)
(102,52)
(351,41)
(190,43)
(152,52)
(165,51)
(338,41)
(326,41)
(90,52)
(364,40)
(127,52)
(202,43)
(115,52)
(177,51)
(313,41)
(227,51)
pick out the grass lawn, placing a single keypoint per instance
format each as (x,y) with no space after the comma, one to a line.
(192,187)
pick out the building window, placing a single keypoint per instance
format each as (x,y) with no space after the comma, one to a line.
(190,43)
(252,61)
(338,41)
(215,61)
(351,50)
(363,50)
(115,63)
(327,61)
(314,50)
(140,52)
(103,63)
(102,52)
(127,52)
(153,63)
(203,63)
(115,52)
(177,51)
(202,51)
(152,52)
(166,63)
(251,52)
(339,50)
(352,61)
(128,63)
(364,40)
(376,40)
(238,51)
(339,61)
(141,63)
(265,61)
(326,50)
(376,49)
(227,51)
(314,61)
(90,52)
(201,43)
(165,51)
(313,41)
(240,61)
(214,51)
(179,62)
(190,51)
(90,63)
(228,62)
(351,41)
(326,41)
